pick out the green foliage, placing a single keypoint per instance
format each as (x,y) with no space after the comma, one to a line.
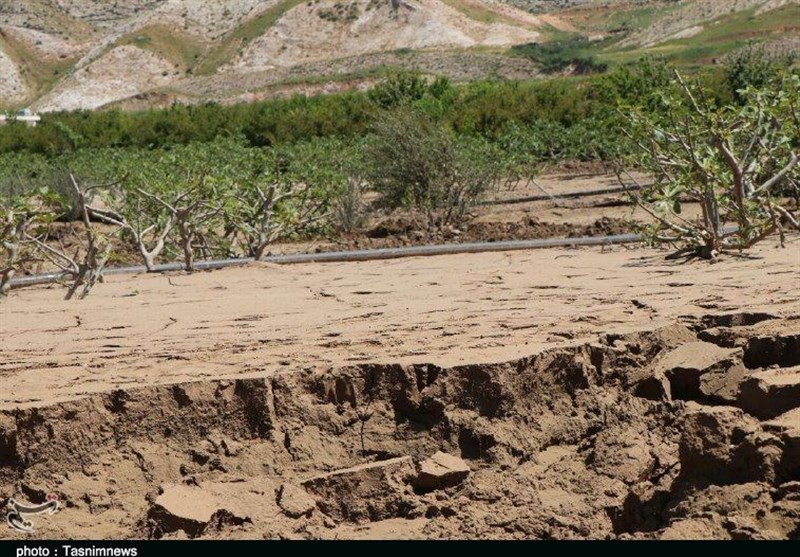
(754,66)
(24,221)
(211,180)
(265,123)
(406,87)
(574,107)
(415,163)
(287,193)
(731,160)
(557,56)
(638,84)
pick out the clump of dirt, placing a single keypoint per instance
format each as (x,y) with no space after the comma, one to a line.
(401,231)
(677,432)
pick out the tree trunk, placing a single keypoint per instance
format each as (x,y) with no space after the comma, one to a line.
(5,279)
(186,245)
(96,272)
(148,258)
(79,278)
(258,253)
(12,250)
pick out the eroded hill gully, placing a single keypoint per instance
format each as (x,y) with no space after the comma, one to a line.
(692,430)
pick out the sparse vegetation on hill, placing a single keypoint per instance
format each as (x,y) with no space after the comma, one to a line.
(66,55)
(549,6)
(557,56)
(233,42)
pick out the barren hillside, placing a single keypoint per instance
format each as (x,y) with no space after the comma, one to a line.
(64,54)
(333,29)
(109,79)
(12,86)
(690,18)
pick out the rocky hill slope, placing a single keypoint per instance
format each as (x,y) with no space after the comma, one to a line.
(70,54)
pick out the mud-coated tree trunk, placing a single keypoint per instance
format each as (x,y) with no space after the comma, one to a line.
(5,279)
(148,258)
(186,244)
(12,252)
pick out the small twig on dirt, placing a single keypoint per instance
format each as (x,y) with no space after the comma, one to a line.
(364,414)
(169,280)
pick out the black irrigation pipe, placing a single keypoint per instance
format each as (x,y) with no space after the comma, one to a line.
(356,255)
(570,195)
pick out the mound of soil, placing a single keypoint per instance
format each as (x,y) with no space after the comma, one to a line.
(402,231)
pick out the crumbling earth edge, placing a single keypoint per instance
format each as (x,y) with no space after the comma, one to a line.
(687,431)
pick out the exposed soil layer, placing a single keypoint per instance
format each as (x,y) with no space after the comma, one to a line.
(401,231)
(565,393)
(588,441)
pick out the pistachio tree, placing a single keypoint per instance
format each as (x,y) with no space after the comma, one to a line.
(734,161)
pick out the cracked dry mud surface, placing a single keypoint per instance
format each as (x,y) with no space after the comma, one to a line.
(561,394)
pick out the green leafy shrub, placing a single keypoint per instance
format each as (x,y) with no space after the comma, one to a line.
(730,159)
(399,88)
(416,163)
(754,67)
(558,56)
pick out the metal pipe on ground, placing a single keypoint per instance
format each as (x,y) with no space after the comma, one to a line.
(356,255)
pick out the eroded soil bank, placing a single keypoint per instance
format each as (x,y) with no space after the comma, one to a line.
(685,430)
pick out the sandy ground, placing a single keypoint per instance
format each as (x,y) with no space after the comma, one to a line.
(139,330)
(602,393)
(543,394)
